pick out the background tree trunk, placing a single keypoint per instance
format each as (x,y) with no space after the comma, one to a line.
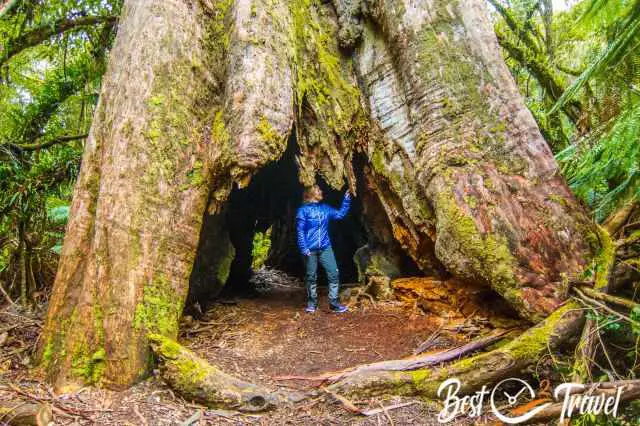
(202,95)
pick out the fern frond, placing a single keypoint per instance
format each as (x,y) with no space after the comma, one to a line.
(617,50)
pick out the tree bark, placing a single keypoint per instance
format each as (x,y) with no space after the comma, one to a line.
(140,198)
(200,95)
(462,168)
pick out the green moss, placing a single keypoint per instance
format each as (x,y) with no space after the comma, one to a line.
(471,201)
(534,342)
(324,87)
(160,309)
(189,369)
(55,348)
(127,128)
(195,175)
(219,132)
(268,134)
(224,265)
(559,200)
(488,255)
(604,260)
(89,367)
(48,353)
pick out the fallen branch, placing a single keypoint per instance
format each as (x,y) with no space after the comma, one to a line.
(6,295)
(47,30)
(592,301)
(620,301)
(352,408)
(55,141)
(58,409)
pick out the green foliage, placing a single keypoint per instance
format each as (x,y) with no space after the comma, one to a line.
(625,39)
(604,169)
(52,57)
(261,246)
(589,55)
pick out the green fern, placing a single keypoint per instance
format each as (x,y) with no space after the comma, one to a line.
(604,169)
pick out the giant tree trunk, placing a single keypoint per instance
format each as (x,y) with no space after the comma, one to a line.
(201,95)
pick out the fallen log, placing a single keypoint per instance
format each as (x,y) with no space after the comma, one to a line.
(24,413)
(194,378)
(476,371)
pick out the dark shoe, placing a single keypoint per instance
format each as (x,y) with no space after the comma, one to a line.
(338,308)
(310,309)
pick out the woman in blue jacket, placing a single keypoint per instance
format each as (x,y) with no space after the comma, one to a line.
(312,226)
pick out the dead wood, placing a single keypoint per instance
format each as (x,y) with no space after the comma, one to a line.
(605,297)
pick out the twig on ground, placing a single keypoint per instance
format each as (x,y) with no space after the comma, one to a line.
(58,408)
(375,411)
(424,346)
(136,411)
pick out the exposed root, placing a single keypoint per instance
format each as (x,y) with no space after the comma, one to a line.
(196,379)
(473,372)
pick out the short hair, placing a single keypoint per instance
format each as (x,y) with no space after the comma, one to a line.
(310,193)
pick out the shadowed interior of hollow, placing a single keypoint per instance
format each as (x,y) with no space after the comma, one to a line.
(269,202)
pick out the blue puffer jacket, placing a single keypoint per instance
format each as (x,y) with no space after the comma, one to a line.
(312,224)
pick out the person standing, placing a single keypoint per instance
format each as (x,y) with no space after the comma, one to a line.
(312,228)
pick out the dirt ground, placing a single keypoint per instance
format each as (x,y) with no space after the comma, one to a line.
(258,339)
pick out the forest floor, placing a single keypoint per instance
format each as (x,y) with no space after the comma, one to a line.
(258,339)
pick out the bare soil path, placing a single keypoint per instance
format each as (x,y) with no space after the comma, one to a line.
(271,336)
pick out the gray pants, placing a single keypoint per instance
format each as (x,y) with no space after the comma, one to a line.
(328,262)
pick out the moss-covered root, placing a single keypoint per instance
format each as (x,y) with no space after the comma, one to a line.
(195,379)
(474,372)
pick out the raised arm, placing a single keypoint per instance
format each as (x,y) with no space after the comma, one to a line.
(300,227)
(344,208)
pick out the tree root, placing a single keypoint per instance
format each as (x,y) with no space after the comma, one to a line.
(196,379)
(474,372)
